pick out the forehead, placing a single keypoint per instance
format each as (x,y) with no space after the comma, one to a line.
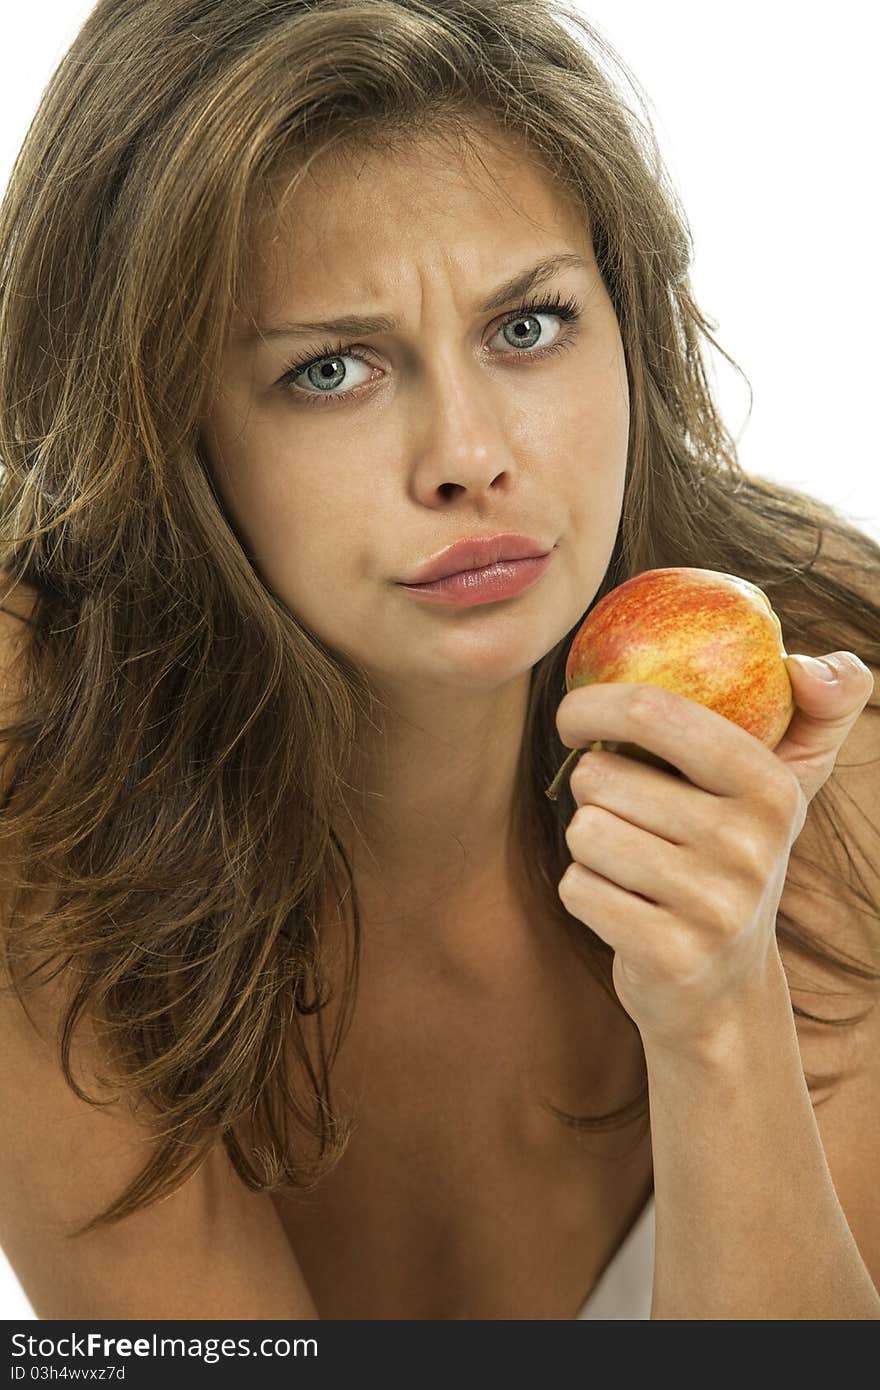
(357,217)
(425,171)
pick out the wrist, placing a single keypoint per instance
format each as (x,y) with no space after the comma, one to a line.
(757,1018)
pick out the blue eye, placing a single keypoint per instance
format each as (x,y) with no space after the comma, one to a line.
(332,353)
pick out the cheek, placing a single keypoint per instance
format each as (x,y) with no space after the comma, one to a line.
(596,458)
(595,482)
(304,537)
(586,424)
(301,539)
(603,415)
(308,544)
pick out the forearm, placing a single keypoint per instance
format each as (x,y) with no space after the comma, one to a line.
(748,1223)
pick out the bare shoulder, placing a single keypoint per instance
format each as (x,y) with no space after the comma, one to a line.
(209,1249)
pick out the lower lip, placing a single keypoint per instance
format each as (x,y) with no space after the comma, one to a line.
(505,579)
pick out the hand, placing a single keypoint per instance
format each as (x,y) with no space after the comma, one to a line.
(682,876)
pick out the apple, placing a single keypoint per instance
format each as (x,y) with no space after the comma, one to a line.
(710,636)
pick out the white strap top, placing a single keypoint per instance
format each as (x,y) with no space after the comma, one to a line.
(626,1287)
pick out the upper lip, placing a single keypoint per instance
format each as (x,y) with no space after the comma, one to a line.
(475,552)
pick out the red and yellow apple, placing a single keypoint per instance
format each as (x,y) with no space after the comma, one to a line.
(710,636)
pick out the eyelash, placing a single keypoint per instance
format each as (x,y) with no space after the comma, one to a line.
(566,309)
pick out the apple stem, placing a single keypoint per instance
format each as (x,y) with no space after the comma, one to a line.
(553,790)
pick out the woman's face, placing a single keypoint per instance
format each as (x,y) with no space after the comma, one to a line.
(346,476)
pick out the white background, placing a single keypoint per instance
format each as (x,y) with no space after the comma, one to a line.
(766,117)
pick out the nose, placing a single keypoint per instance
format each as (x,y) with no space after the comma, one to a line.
(464,444)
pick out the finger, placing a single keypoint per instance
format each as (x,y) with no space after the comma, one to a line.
(632,859)
(712,752)
(653,800)
(825,712)
(624,921)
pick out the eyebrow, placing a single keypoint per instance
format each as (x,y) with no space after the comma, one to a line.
(355,325)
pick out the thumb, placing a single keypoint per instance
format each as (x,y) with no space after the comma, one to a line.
(829,694)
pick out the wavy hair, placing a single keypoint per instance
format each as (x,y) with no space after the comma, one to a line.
(184,743)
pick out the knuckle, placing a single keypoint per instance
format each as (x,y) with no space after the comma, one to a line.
(787,804)
(800,818)
(584,820)
(567,715)
(722,913)
(648,704)
(798,804)
(725,839)
(589,772)
(744,849)
(754,859)
(569,881)
(791,805)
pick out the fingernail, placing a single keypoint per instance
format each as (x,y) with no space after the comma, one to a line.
(816,667)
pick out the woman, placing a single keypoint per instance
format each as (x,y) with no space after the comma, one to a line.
(295,298)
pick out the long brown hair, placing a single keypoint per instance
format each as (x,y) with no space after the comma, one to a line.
(184,742)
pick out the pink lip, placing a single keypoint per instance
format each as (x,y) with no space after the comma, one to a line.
(504,579)
(476,552)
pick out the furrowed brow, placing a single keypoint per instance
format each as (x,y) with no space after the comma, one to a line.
(360,325)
